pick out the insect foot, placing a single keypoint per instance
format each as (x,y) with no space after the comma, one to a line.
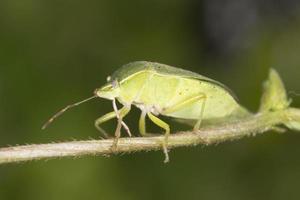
(117,135)
(165,149)
(114,146)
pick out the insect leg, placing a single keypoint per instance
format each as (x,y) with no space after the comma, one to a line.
(198,123)
(165,126)
(123,111)
(103,119)
(120,114)
(142,123)
(180,105)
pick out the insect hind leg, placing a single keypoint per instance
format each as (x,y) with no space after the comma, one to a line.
(198,123)
(199,97)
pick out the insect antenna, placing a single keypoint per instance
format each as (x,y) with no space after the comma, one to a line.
(64,110)
(294,93)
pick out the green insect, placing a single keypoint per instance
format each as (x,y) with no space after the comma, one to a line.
(158,89)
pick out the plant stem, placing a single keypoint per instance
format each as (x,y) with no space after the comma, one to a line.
(252,125)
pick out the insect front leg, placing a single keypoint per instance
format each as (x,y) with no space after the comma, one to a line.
(123,111)
(165,126)
(103,119)
(199,97)
(120,114)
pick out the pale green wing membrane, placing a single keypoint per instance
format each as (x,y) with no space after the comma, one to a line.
(134,67)
(130,69)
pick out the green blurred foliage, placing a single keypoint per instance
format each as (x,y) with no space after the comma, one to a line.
(53,53)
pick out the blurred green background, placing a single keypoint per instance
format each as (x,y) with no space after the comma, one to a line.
(53,53)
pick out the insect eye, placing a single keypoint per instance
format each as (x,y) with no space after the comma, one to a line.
(108,78)
(114,83)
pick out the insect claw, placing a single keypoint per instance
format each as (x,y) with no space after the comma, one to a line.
(165,150)
(117,135)
(114,145)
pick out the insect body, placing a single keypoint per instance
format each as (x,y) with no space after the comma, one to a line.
(158,89)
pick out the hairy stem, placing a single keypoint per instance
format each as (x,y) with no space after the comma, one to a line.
(253,125)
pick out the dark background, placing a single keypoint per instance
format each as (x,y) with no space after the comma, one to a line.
(53,53)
